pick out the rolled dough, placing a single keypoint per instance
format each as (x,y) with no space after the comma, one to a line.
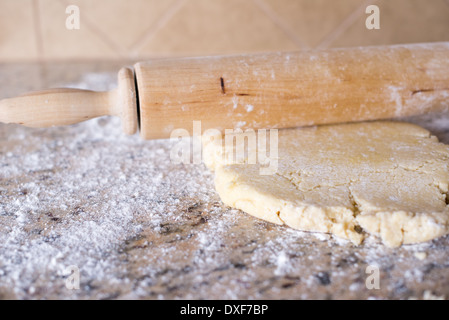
(389,179)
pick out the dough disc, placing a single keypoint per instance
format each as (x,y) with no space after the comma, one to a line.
(383,178)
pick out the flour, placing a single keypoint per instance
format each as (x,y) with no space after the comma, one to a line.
(138,226)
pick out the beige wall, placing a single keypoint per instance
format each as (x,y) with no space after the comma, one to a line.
(35,30)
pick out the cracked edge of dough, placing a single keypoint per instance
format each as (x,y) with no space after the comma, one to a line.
(394,228)
(338,220)
(401,227)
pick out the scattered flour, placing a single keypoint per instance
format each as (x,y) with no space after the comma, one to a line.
(138,226)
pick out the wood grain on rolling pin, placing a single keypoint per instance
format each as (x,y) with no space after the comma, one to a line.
(275,90)
(279,90)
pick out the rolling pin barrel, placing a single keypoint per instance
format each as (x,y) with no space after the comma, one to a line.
(274,90)
(282,90)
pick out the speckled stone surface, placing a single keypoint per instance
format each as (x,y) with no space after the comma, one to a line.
(137,226)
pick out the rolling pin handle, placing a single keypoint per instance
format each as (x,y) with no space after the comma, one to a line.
(59,107)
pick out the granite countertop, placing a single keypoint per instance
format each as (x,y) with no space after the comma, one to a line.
(87,201)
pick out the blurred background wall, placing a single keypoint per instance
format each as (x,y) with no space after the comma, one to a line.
(131,30)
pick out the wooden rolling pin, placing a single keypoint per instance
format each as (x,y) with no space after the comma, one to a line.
(275,90)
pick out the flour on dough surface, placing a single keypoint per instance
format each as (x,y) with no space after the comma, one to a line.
(389,179)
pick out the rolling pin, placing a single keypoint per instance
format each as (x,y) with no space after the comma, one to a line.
(269,90)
